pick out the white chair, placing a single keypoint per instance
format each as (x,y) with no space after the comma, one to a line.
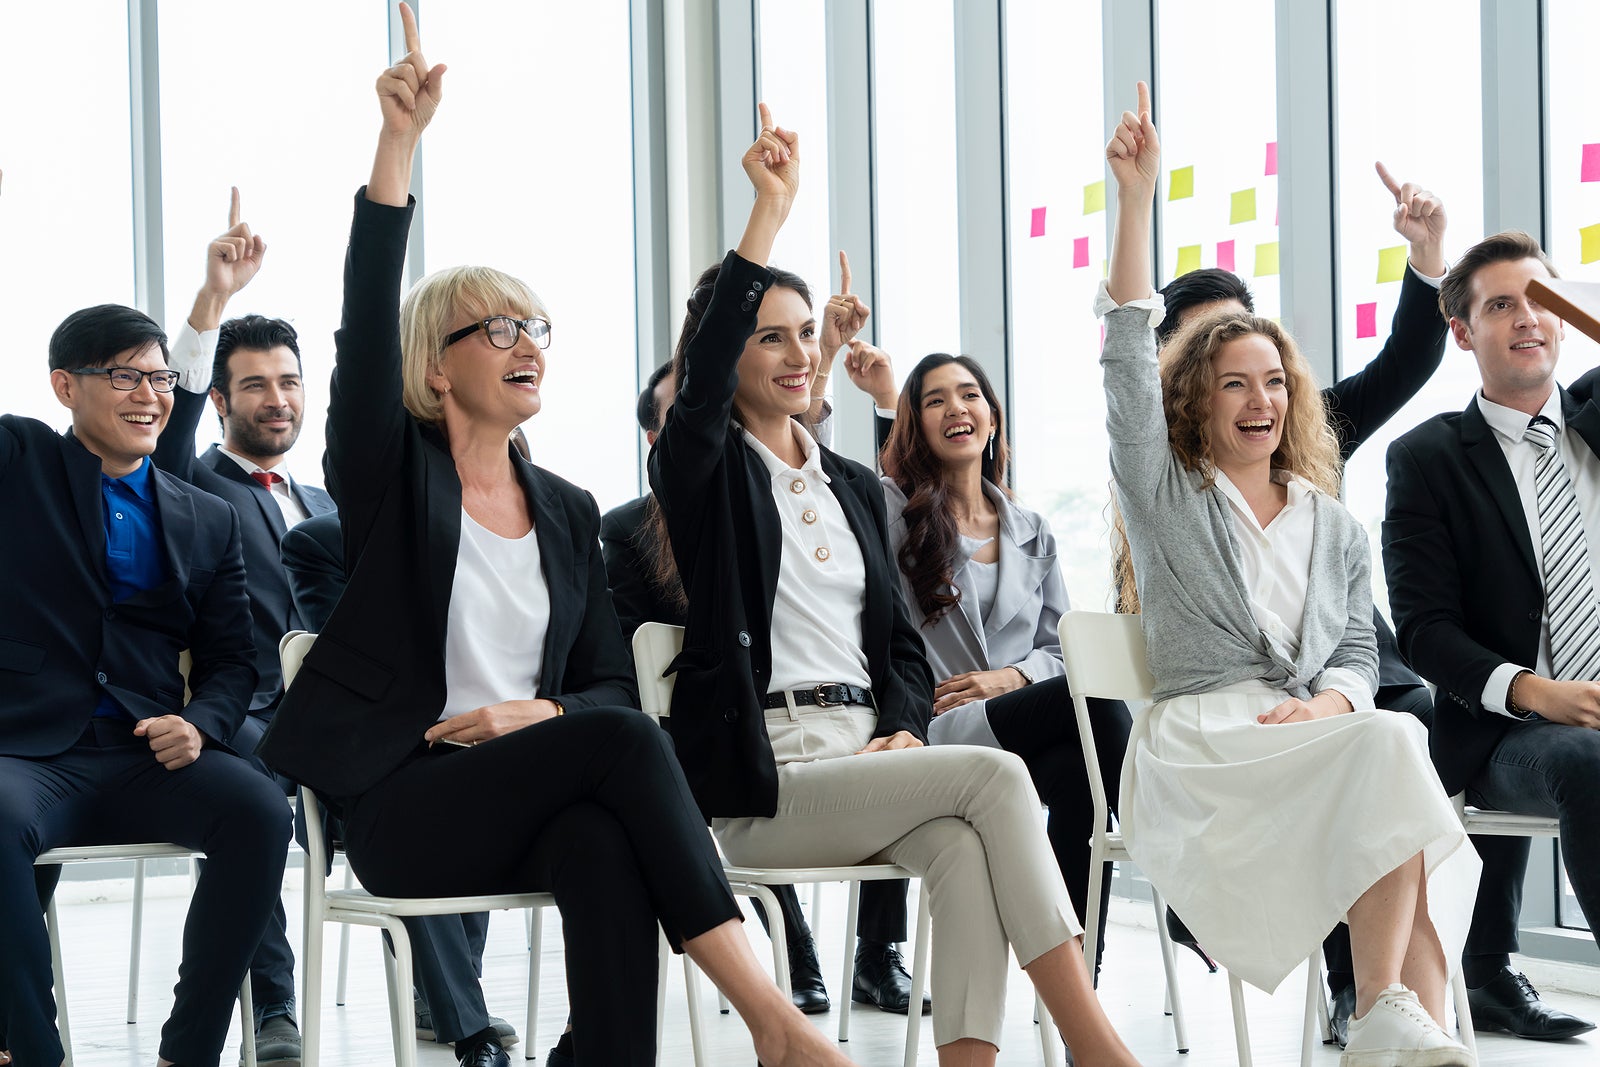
(654,646)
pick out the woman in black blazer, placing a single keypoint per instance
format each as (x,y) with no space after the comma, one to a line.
(553,781)
(802,697)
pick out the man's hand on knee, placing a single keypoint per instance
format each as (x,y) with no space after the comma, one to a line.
(174,740)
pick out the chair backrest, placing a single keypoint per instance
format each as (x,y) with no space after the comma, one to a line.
(655,644)
(292,649)
(1105,656)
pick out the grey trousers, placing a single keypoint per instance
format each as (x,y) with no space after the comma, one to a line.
(967,820)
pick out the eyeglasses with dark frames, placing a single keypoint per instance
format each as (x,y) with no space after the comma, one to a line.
(127,379)
(503,331)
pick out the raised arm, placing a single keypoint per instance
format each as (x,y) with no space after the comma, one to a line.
(408,95)
(1134,156)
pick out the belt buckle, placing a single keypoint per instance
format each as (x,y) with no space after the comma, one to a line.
(820,694)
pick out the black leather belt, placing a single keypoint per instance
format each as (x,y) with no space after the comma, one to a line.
(826,695)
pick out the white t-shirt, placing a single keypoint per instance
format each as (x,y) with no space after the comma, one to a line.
(499,615)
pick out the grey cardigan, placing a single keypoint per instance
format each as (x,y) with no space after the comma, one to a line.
(1022,627)
(1197,620)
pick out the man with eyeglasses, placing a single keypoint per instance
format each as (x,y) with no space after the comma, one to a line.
(111,569)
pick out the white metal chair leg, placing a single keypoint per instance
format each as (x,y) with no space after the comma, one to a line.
(344,942)
(722,1003)
(247,1024)
(816,904)
(1169,963)
(62,1026)
(1458,991)
(400,1019)
(1241,1027)
(530,1045)
(847,983)
(919,977)
(135,937)
(311,968)
(1312,1028)
(691,989)
(1049,1048)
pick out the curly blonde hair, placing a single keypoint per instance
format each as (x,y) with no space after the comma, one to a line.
(1308,449)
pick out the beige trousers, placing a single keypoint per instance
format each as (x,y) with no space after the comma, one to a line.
(966,819)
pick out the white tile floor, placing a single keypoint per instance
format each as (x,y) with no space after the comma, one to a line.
(95,919)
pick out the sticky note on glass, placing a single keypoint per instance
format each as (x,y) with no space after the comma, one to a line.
(1244,207)
(1266,259)
(1272,158)
(1188,260)
(1094,197)
(1180,183)
(1367,320)
(1080,252)
(1225,255)
(1590,236)
(1037,229)
(1392,263)
(1591,163)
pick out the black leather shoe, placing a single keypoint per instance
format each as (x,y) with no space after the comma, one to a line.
(277,1036)
(1509,1002)
(882,981)
(1181,936)
(805,978)
(557,1058)
(1344,1006)
(485,1054)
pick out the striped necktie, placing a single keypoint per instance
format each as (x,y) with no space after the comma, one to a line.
(1568,582)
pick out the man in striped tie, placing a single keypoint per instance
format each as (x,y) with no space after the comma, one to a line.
(1491,543)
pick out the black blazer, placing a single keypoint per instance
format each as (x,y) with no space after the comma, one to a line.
(313,562)
(726,539)
(625,538)
(63,641)
(1466,591)
(261,523)
(374,681)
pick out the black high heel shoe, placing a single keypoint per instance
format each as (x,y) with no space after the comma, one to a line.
(1181,936)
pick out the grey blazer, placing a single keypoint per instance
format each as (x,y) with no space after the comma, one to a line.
(1021,629)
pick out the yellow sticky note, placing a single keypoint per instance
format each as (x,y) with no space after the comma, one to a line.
(1590,236)
(1188,260)
(1392,263)
(1244,207)
(1180,183)
(1266,259)
(1094,197)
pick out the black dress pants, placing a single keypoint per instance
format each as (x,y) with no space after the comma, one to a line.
(591,807)
(1036,722)
(881,917)
(109,789)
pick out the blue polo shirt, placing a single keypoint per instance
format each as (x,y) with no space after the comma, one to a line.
(135,559)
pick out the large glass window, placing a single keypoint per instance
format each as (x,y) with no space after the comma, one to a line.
(528,169)
(1057,237)
(1216,108)
(914,130)
(1376,75)
(66,239)
(297,151)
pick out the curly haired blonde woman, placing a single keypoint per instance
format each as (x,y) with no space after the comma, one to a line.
(1262,791)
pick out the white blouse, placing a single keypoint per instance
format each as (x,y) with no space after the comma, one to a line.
(499,615)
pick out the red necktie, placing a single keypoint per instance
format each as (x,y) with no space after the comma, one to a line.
(266,478)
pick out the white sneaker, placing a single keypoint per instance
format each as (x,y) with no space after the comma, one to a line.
(1399,1032)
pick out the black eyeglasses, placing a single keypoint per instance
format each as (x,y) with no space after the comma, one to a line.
(503,331)
(127,379)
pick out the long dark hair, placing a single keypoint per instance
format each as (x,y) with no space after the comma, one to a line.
(927,555)
(664,570)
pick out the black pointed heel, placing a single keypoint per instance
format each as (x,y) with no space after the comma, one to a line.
(1181,936)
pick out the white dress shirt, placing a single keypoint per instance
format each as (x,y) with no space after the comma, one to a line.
(499,616)
(1276,562)
(822,578)
(1510,428)
(281,490)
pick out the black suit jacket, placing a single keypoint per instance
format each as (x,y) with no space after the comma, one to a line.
(64,642)
(374,681)
(261,523)
(1466,590)
(313,562)
(626,538)
(726,539)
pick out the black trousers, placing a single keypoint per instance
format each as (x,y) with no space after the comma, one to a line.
(447,966)
(881,918)
(591,807)
(1036,722)
(109,789)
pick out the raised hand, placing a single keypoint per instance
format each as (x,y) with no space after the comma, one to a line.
(872,372)
(1419,218)
(845,314)
(409,92)
(773,162)
(232,260)
(1134,151)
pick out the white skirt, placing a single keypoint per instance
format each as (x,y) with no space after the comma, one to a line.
(1261,837)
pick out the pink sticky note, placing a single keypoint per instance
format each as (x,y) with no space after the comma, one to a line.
(1367,320)
(1038,223)
(1272,158)
(1225,255)
(1080,251)
(1274,214)
(1591,163)
(1102,337)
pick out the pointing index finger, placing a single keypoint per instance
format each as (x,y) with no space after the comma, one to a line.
(766,117)
(408,20)
(1144,99)
(233,209)
(844,272)
(1388,182)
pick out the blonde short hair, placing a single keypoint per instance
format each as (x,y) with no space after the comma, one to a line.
(435,305)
